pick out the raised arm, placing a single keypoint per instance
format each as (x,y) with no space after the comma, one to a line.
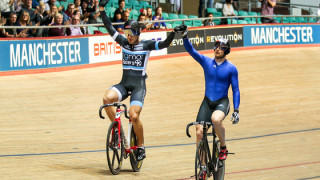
(166,43)
(107,23)
(188,46)
(271,3)
(163,44)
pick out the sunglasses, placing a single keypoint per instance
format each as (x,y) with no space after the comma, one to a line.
(221,45)
(130,32)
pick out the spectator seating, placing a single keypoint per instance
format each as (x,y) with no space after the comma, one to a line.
(244,13)
(186,22)
(312,20)
(169,25)
(165,15)
(242,22)
(195,23)
(285,20)
(236,12)
(103,30)
(128,6)
(110,11)
(145,4)
(135,12)
(64,4)
(302,19)
(91,29)
(253,18)
(211,10)
(115,5)
(279,19)
(175,16)
(292,20)
(232,21)
(136,5)
(217,14)
(57,3)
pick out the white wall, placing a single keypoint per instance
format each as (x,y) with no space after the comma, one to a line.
(308,3)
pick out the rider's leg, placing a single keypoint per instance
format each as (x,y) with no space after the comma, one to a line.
(217,118)
(134,114)
(110,96)
(204,114)
(199,133)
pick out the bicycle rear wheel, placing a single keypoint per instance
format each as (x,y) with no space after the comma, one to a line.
(114,152)
(201,161)
(136,165)
(219,174)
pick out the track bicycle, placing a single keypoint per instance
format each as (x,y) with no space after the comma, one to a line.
(207,163)
(118,145)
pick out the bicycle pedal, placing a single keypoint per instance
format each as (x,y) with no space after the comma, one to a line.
(231,153)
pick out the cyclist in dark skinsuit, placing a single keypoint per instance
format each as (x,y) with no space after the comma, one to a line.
(135,54)
(219,75)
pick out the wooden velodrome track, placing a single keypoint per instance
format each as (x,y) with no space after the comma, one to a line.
(50,129)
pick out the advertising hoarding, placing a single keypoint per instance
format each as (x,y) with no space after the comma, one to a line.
(234,36)
(38,54)
(281,35)
(105,49)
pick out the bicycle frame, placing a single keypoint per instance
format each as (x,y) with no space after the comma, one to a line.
(128,149)
(119,112)
(126,145)
(213,161)
(205,139)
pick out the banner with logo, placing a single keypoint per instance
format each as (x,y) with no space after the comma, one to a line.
(281,35)
(196,38)
(38,54)
(104,48)
(234,36)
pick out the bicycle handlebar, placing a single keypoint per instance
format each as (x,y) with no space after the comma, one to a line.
(116,105)
(196,123)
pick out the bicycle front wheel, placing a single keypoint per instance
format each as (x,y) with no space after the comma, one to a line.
(135,164)
(114,149)
(219,174)
(201,161)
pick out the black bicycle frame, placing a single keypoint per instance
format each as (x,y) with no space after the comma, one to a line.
(212,157)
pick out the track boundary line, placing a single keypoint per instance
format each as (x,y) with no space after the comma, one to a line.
(160,146)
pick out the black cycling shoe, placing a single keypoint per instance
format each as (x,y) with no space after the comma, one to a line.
(141,153)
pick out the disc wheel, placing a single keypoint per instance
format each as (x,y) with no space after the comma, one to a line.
(201,162)
(114,152)
(136,165)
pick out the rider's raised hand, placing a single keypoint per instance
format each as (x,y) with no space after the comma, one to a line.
(183,29)
(235,117)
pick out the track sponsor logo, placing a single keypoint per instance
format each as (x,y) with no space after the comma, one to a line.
(281,35)
(234,36)
(196,38)
(26,54)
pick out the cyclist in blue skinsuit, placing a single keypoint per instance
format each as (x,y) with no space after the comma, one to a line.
(219,75)
(135,54)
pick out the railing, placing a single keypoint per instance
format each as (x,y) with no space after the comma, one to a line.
(169,20)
